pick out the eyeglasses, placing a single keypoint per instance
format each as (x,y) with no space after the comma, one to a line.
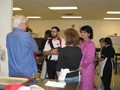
(53,31)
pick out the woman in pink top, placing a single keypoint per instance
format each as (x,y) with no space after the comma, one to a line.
(87,62)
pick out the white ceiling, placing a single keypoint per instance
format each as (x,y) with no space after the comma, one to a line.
(88,9)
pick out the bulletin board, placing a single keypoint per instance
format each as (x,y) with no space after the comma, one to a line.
(116,43)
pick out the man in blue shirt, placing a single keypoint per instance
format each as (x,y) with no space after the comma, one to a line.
(21,47)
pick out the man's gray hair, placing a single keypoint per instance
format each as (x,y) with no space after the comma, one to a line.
(18,19)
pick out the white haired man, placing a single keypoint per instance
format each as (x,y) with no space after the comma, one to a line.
(21,46)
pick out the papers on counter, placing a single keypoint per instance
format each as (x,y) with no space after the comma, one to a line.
(55,84)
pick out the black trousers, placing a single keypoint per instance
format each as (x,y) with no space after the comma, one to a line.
(107,75)
(51,69)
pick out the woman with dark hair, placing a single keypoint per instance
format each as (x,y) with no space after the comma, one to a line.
(108,41)
(47,34)
(101,41)
(87,62)
(70,56)
(107,55)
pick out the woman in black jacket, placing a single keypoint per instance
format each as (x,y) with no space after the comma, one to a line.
(106,60)
(70,56)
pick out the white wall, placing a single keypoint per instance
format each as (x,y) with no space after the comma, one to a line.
(101,28)
(5,27)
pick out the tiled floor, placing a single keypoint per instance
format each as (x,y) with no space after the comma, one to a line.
(115,84)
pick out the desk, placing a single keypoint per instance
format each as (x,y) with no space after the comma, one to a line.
(41,83)
(4,81)
(70,86)
(116,55)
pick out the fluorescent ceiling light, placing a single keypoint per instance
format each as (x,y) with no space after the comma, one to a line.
(71,17)
(113,12)
(33,17)
(16,8)
(62,8)
(111,18)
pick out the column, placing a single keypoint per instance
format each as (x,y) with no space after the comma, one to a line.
(5,28)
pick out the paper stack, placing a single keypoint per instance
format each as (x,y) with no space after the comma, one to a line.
(55,84)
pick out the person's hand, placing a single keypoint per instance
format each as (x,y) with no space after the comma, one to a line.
(100,59)
(39,59)
(80,68)
(54,51)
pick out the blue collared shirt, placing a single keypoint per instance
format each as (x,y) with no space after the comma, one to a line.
(21,46)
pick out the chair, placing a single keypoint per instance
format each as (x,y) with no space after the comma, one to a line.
(118,64)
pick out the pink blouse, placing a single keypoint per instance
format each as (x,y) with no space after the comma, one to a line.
(87,64)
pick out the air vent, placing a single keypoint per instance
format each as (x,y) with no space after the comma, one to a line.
(68,14)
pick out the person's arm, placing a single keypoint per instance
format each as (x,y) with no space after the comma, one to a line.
(29,42)
(63,43)
(51,52)
(58,73)
(46,53)
(60,63)
(34,44)
(107,52)
(89,55)
(47,50)
(110,52)
(100,59)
